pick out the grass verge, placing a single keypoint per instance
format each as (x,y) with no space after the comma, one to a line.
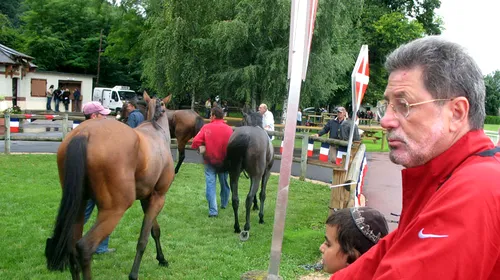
(196,247)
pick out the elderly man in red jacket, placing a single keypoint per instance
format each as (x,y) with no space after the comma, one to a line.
(450,221)
(214,136)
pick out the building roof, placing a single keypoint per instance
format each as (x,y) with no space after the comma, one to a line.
(10,56)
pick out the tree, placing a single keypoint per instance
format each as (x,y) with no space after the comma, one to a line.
(9,35)
(10,8)
(492,83)
(389,23)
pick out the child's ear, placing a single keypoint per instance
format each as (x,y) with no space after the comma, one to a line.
(352,256)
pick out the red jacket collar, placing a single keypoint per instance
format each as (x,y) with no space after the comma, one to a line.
(421,182)
(441,166)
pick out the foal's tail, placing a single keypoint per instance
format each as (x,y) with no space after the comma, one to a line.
(198,125)
(59,247)
(236,152)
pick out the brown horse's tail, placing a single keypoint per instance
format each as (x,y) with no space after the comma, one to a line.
(199,124)
(58,248)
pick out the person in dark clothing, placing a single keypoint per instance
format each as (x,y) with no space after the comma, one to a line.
(76,100)
(57,98)
(339,128)
(135,117)
(65,99)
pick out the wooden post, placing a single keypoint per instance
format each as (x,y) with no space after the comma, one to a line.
(339,196)
(303,157)
(21,125)
(7,133)
(65,125)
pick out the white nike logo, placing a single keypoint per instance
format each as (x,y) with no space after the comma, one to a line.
(423,235)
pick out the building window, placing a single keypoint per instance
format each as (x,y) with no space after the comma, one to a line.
(38,88)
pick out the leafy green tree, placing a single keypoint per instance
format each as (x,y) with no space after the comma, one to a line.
(386,25)
(492,83)
(9,35)
(11,8)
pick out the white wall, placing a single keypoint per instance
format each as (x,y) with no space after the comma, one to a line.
(53,78)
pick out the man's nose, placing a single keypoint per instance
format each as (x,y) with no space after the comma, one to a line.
(389,120)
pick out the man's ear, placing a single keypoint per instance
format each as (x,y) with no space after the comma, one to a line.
(459,113)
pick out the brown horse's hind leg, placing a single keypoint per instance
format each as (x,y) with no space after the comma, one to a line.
(155,233)
(156,202)
(105,224)
(181,149)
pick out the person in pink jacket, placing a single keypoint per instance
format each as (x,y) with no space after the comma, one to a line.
(450,221)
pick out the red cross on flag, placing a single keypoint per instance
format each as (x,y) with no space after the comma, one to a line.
(360,78)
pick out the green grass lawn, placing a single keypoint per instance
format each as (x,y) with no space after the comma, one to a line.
(197,247)
(492,127)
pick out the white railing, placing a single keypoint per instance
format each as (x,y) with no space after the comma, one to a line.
(493,135)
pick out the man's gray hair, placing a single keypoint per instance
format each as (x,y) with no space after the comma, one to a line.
(447,72)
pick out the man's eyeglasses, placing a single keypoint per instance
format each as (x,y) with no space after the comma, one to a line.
(401,106)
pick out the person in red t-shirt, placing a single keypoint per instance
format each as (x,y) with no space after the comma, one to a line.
(214,136)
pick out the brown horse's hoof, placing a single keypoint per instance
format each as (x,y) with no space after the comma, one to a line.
(244,235)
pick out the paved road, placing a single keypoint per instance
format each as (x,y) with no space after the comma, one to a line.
(382,182)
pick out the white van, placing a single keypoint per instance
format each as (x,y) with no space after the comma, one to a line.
(113,98)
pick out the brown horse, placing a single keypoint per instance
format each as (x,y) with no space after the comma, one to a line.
(184,125)
(113,164)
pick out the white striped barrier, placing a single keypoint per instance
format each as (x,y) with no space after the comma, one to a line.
(358,200)
(310,148)
(341,151)
(323,152)
(14,125)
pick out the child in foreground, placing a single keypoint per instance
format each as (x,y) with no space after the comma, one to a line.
(351,232)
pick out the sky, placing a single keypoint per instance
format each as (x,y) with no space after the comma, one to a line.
(474,24)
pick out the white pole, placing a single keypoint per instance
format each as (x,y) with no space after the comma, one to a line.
(355,102)
(299,47)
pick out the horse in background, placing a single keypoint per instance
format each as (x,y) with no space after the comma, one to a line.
(184,125)
(115,165)
(249,149)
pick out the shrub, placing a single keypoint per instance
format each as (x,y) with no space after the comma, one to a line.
(492,120)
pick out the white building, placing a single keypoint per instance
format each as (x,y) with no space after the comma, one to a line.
(22,85)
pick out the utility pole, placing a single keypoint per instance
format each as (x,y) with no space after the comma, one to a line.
(99,59)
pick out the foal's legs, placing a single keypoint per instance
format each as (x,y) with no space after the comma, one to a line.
(255,205)
(234,176)
(156,202)
(262,195)
(155,233)
(254,187)
(107,219)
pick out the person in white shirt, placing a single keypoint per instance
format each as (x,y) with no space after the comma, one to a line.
(267,118)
